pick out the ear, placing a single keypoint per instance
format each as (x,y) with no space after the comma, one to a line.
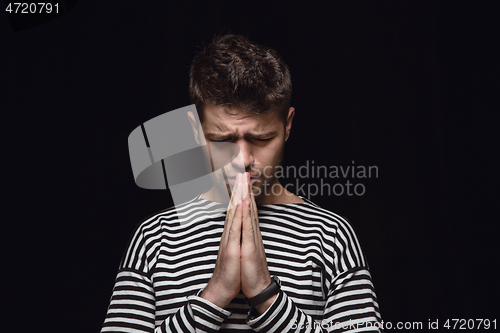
(195,127)
(288,125)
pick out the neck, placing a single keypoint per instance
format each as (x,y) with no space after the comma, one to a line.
(277,195)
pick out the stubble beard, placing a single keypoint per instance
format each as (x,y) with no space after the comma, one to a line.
(265,182)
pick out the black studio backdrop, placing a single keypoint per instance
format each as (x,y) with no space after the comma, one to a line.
(407,87)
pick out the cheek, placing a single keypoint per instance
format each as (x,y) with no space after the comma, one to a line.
(269,156)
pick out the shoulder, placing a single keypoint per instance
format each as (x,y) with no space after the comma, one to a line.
(175,221)
(347,245)
(308,212)
(188,214)
(339,222)
(335,229)
(310,221)
(308,218)
(166,228)
(349,253)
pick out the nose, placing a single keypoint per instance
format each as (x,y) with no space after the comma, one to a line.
(246,152)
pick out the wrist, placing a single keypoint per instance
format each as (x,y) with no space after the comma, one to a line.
(215,297)
(257,288)
(261,308)
(266,297)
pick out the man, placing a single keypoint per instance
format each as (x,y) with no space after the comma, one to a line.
(274,262)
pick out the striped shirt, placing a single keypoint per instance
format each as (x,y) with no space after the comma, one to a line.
(325,282)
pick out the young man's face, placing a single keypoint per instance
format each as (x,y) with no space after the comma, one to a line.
(260,138)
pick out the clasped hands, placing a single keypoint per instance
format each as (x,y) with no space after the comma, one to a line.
(241,261)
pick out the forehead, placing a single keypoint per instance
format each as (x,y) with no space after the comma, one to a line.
(221,118)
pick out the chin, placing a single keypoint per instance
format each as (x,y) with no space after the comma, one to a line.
(256,192)
(259,189)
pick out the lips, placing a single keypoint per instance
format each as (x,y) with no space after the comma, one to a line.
(232,180)
(234,177)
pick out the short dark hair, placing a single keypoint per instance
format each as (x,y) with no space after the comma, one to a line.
(238,73)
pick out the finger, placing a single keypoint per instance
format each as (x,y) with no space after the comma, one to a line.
(235,229)
(232,201)
(241,191)
(247,232)
(231,210)
(251,201)
(255,216)
(236,197)
(253,204)
(241,187)
(245,182)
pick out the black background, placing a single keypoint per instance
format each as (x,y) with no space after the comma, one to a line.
(410,87)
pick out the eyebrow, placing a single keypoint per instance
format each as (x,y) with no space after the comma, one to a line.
(227,136)
(217,136)
(262,135)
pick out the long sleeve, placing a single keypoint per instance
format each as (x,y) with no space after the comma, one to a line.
(172,255)
(350,307)
(351,303)
(133,306)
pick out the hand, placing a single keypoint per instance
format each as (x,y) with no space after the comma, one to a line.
(241,262)
(254,271)
(225,282)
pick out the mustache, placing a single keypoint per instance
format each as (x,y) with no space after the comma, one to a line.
(234,176)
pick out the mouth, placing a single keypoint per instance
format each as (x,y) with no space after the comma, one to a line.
(232,180)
